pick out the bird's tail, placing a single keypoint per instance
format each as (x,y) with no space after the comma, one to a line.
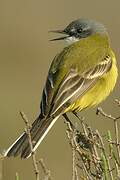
(39,130)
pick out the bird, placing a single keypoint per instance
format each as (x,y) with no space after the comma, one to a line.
(81,76)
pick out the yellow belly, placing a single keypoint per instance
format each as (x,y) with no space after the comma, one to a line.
(99,92)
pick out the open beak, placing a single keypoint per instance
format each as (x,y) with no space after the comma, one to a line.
(60,32)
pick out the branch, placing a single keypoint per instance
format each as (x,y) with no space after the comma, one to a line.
(115,119)
(45,170)
(28,127)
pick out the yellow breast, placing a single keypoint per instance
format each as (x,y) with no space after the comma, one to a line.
(100,91)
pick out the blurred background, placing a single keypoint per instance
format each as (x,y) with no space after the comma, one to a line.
(25,56)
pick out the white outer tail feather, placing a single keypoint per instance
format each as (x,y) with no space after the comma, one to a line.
(6,152)
(38,143)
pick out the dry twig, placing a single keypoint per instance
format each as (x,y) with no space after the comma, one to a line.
(89,151)
(116,143)
(28,127)
(45,170)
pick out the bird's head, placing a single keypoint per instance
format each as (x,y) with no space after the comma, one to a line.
(78,29)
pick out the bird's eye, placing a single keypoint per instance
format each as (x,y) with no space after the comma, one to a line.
(79,30)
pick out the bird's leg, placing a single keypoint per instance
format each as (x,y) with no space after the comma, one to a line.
(67,120)
(78,117)
(81,119)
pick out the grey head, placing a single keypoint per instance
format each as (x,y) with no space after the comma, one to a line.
(80,28)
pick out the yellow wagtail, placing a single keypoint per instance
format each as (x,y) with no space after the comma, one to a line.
(82,75)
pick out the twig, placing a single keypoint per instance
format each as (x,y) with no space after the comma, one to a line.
(109,116)
(73,164)
(71,134)
(100,111)
(28,127)
(76,173)
(117,145)
(117,137)
(96,157)
(45,170)
(105,156)
(87,174)
(94,152)
(81,120)
(71,128)
(112,152)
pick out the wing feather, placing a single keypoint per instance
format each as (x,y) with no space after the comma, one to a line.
(74,85)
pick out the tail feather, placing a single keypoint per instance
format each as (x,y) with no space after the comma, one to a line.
(39,130)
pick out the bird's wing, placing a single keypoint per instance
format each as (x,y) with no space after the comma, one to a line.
(74,85)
